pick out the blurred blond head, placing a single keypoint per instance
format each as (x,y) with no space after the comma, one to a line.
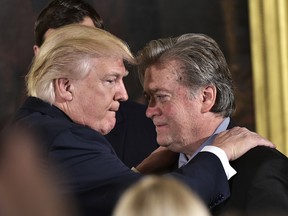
(67,53)
(157,196)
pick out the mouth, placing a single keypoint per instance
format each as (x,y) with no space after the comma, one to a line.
(114,108)
(160,125)
(112,113)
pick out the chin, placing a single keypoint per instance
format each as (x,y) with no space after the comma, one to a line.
(105,131)
(163,141)
(163,144)
(108,128)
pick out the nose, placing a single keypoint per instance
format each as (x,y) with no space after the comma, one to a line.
(149,112)
(152,110)
(121,94)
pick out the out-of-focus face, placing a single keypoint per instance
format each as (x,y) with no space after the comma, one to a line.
(96,97)
(175,113)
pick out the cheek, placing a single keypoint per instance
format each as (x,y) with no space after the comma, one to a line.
(104,96)
(92,105)
(97,109)
(99,100)
(179,118)
(172,111)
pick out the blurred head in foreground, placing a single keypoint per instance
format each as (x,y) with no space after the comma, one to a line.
(160,196)
(27,180)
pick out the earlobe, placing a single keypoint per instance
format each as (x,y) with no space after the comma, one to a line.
(208,98)
(63,89)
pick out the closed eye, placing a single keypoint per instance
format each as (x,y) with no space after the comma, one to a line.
(110,81)
(161,97)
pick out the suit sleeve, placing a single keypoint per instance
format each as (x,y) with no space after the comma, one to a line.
(98,177)
(205,175)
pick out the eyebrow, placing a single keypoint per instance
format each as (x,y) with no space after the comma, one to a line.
(153,91)
(117,74)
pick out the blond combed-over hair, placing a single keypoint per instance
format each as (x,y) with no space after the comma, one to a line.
(160,196)
(67,53)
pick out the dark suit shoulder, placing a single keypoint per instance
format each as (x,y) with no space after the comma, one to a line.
(259,155)
(260,185)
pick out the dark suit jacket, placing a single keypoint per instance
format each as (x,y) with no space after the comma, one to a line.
(260,185)
(134,135)
(94,173)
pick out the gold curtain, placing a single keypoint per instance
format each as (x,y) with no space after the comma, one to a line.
(269,50)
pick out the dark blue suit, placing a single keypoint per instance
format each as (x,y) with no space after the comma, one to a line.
(260,186)
(134,136)
(92,170)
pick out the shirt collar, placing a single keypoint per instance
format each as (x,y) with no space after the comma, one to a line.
(223,126)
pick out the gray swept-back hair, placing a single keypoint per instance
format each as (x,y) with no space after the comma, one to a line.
(200,63)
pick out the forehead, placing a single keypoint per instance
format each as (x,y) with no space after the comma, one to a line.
(87,21)
(109,66)
(162,75)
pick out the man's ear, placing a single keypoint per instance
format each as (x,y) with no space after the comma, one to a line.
(63,89)
(36,50)
(208,98)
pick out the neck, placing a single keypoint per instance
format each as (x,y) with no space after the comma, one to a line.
(203,134)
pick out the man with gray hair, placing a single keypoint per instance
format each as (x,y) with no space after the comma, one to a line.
(190,96)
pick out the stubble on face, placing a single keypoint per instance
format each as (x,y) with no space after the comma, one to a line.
(175,114)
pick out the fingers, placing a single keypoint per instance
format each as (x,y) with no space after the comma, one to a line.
(238,140)
(160,149)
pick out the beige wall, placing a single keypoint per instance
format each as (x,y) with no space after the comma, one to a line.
(269,46)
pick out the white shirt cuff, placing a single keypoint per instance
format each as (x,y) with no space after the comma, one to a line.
(223,158)
(135,170)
